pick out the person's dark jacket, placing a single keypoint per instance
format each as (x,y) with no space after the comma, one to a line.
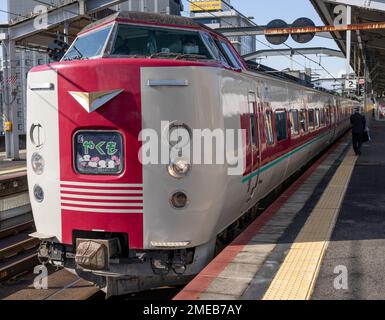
(358,123)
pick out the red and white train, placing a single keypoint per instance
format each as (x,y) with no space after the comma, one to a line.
(128,226)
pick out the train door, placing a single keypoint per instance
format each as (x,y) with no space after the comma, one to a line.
(254,142)
(334,119)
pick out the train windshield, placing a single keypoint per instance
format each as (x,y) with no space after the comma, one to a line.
(89,45)
(155,42)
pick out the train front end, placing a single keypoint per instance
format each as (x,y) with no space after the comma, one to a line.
(98,209)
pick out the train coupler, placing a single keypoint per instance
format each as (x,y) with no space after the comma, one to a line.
(94,254)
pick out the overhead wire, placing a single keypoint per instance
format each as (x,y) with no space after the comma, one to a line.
(291,48)
(244,32)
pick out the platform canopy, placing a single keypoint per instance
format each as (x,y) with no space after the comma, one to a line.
(368,46)
(76,14)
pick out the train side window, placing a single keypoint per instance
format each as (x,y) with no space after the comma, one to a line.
(311,118)
(252,124)
(316,119)
(303,120)
(281,125)
(333,117)
(294,124)
(269,127)
(323,120)
(214,49)
(327,114)
(230,55)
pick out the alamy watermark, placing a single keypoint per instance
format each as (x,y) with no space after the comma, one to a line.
(195,146)
(41,20)
(41,280)
(341,281)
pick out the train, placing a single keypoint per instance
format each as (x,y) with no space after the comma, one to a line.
(129,225)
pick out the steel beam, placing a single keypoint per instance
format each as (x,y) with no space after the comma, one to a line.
(328,19)
(8,53)
(255,31)
(92,6)
(372,4)
(295,51)
(349,27)
(328,79)
(348,39)
(57,16)
(258,31)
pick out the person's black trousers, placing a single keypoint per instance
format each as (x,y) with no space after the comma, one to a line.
(357,142)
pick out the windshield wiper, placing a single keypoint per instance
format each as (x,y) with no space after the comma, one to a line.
(164,54)
(192,56)
(178,56)
(79,55)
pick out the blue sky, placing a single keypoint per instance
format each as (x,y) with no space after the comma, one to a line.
(265,11)
(3,6)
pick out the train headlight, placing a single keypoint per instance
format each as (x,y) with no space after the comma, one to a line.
(179,200)
(37,162)
(179,168)
(38,193)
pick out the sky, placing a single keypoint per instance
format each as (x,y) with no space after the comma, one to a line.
(265,11)
(3,6)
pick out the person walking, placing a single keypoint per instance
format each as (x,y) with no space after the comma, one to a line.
(358,122)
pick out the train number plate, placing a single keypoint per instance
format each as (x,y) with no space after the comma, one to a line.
(99,152)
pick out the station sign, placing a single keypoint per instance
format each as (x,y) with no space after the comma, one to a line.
(351,84)
(205,5)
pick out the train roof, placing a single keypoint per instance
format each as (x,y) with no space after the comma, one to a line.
(146,17)
(179,21)
(276,74)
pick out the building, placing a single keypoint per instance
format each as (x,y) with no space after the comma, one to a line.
(15,9)
(173,7)
(216,14)
(25,60)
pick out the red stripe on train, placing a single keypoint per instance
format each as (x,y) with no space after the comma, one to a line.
(111,200)
(86,194)
(90,206)
(100,188)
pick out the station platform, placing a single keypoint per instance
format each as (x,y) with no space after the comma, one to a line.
(323,238)
(12,167)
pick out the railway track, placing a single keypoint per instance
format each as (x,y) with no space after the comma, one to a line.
(18,258)
(12,183)
(16,229)
(17,251)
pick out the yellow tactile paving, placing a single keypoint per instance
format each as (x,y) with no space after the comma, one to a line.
(296,277)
